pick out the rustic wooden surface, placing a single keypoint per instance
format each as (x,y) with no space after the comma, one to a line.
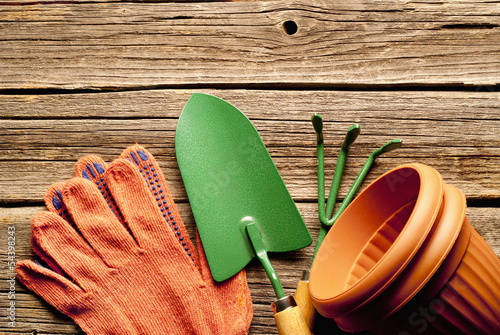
(97,76)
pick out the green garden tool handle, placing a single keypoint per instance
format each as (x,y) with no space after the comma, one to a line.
(261,253)
(287,314)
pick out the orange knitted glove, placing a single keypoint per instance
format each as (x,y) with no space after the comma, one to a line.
(129,273)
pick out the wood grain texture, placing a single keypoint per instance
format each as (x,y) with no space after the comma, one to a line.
(439,128)
(95,76)
(349,43)
(456,132)
(34,314)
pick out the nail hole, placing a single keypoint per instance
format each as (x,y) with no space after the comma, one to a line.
(290,27)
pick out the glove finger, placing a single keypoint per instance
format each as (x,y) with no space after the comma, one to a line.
(140,210)
(93,168)
(46,258)
(58,240)
(97,223)
(90,167)
(157,185)
(52,287)
(54,202)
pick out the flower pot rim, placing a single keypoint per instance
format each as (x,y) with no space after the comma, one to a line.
(451,219)
(395,259)
(434,258)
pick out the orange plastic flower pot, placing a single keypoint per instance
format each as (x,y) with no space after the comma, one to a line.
(403,259)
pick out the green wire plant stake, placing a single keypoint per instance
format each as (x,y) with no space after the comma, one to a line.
(326,216)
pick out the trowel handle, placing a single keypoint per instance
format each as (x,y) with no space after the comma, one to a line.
(304,301)
(289,318)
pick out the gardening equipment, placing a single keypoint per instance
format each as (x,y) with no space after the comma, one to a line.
(326,217)
(241,206)
(123,269)
(403,258)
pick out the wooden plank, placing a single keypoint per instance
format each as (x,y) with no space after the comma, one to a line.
(290,105)
(35,315)
(351,43)
(477,177)
(456,132)
(31,2)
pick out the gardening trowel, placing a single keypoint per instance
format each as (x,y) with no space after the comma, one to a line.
(241,206)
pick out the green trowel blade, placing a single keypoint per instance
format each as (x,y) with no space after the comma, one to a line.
(231,180)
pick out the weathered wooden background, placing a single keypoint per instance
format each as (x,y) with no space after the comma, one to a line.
(97,76)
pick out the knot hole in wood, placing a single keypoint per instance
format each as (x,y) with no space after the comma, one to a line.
(290,27)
